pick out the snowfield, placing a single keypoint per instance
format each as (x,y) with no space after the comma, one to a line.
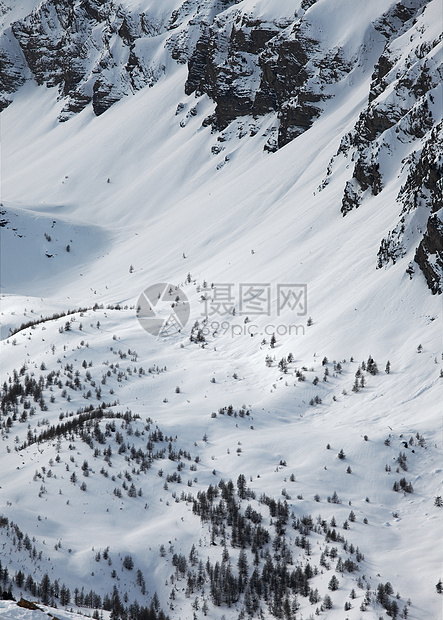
(95,210)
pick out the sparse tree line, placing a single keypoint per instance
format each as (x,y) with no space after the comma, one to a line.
(87,427)
(59,315)
(230,411)
(17,392)
(80,425)
(369,366)
(22,393)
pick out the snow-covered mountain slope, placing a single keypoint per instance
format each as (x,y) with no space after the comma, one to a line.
(280,162)
(272,71)
(26,610)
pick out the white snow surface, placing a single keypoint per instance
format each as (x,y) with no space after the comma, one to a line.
(135,188)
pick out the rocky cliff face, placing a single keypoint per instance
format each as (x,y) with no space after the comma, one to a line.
(253,67)
(400,106)
(429,254)
(97,51)
(403,115)
(88,50)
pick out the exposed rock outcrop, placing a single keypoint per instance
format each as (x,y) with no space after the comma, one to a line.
(88,49)
(429,254)
(95,52)
(402,109)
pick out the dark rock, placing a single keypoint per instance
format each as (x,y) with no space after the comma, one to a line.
(392,22)
(197,65)
(104,95)
(94,9)
(398,110)
(231,103)
(429,254)
(351,197)
(382,68)
(76,102)
(127,31)
(12,70)
(251,41)
(368,175)
(251,68)
(283,66)
(294,120)
(58,41)
(377,119)
(306,4)
(424,181)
